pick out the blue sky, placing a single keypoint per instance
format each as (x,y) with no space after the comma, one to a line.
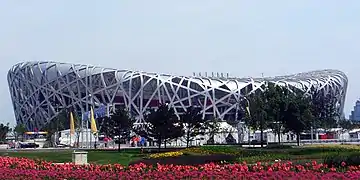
(242,38)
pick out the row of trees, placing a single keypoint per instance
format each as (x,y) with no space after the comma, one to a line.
(284,110)
(277,108)
(162,125)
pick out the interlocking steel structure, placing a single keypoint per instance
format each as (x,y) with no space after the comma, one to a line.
(37,88)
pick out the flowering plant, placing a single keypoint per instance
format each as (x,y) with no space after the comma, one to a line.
(27,169)
(166,154)
(207,150)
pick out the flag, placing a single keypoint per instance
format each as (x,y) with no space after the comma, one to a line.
(92,122)
(72,125)
(248,110)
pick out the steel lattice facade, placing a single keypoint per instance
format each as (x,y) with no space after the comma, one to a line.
(36,89)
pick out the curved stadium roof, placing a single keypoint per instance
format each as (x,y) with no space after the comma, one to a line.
(36,89)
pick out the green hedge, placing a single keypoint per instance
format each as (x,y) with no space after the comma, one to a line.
(350,159)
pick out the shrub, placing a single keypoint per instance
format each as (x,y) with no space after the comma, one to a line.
(337,160)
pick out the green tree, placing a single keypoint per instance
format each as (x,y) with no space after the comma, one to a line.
(276,97)
(297,116)
(324,110)
(4,130)
(345,124)
(163,125)
(58,123)
(194,124)
(119,124)
(213,127)
(258,116)
(105,127)
(19,130)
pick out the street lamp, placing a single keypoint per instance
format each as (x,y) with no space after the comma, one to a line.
(57,123)
(248,109)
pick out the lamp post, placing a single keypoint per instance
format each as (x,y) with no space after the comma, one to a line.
(248,104)
(57,123)
(89,120)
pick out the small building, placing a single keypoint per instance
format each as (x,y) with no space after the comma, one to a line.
(354,134)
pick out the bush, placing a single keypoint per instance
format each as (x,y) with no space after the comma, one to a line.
(336,160)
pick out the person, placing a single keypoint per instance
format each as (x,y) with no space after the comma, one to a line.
(106,140)
(142,143)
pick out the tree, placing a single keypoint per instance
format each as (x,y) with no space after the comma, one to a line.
(213,127)
(19,129)
(59,123)
(258,116)
(163,125)
(105,126)
(194,124)
(345,124)
(119,124)
(275,106)
(324,110)
(297,116)
(4,130)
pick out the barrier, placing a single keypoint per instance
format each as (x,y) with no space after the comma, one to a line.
(79,157)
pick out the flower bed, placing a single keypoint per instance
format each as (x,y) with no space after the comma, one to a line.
(186,160)
(207,150)
(21,168)
(166,154)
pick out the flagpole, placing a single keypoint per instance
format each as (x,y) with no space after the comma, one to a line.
(70,129)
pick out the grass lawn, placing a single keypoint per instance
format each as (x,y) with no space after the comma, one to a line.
(97,157)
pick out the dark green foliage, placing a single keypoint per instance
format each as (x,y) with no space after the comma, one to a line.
(4,129)
(324,110)
(118,124)
(194,124)
(276,103)
(280,109)
(105,127)
(278,146)
(59,123)
(258,114)
(163,125)
(345,124)
(213,126)
(297,116)
(336,160)
(19,130)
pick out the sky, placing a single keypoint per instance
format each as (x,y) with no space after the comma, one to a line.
(242,38)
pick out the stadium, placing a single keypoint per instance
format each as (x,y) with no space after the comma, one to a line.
(39,89)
